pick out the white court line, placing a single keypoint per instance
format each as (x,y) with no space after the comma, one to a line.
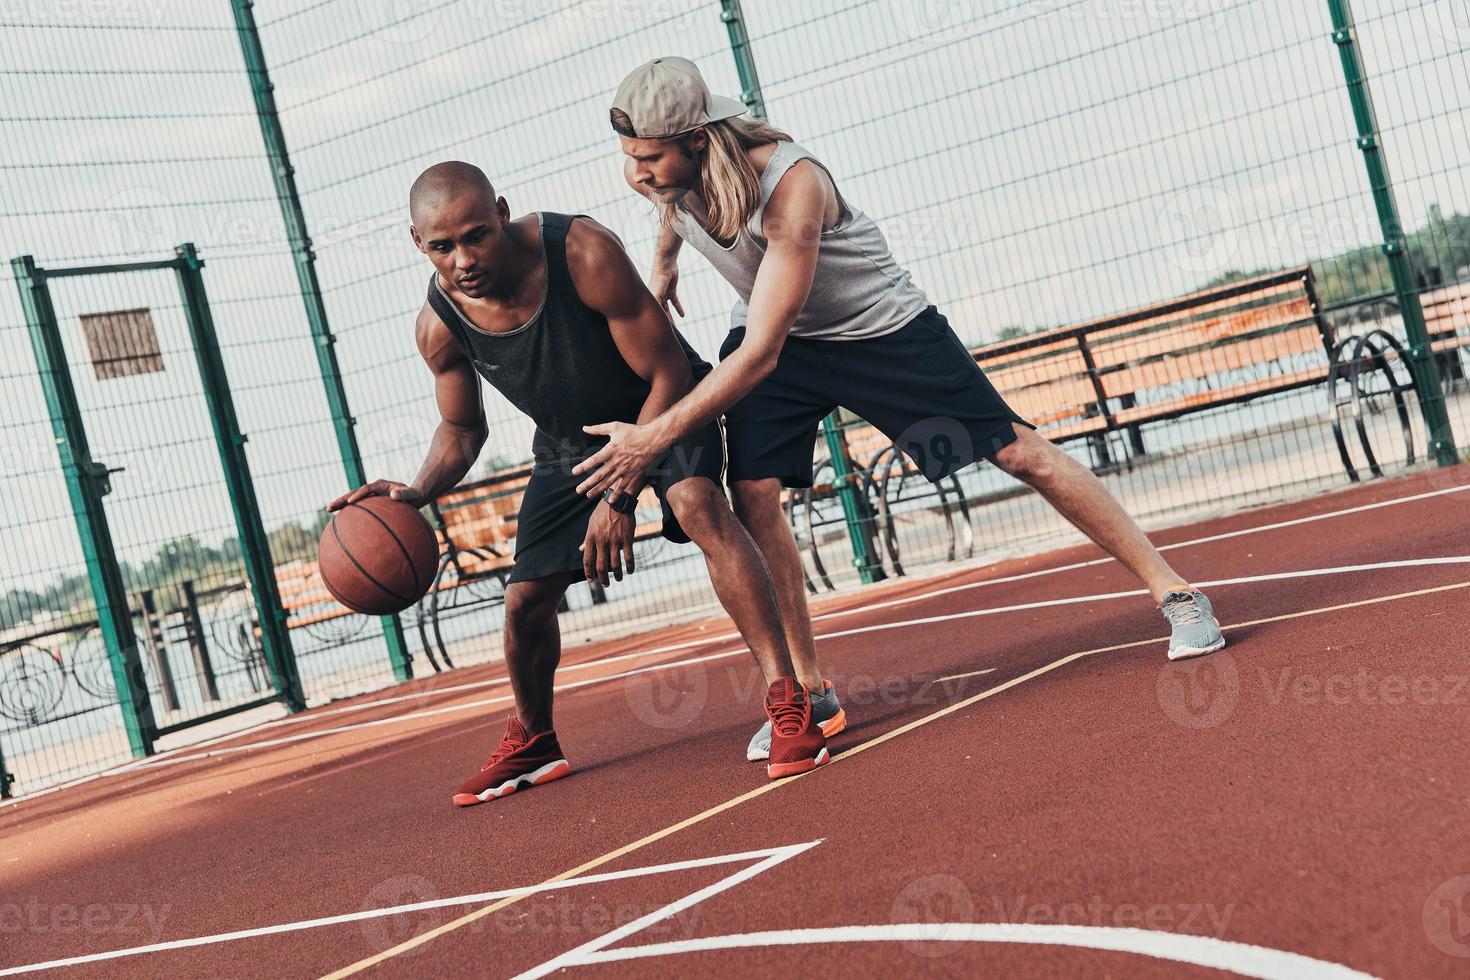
(768,857)
(575,956)
(877,627)
(973,673)
(1243,959)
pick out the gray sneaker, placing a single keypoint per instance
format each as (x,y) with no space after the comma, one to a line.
(825,709)
(1195,631)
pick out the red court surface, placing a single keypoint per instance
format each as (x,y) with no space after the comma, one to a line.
(1027,788)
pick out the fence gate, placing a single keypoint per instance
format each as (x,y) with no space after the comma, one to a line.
(188,624)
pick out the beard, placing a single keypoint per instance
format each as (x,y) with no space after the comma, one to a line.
(670,195)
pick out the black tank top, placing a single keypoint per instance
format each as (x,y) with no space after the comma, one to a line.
(562,367)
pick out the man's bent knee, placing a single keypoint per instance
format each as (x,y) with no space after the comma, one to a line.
(757,501)
(1029,458)
(532,604)
(699,506)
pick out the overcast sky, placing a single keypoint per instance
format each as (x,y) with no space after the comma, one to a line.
(1034,162)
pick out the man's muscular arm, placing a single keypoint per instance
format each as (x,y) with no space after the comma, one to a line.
(793,229)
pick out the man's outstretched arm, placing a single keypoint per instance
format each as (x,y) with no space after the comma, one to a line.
(793,230)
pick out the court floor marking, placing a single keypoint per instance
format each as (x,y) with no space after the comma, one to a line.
(871,743)
(723,637)
(1243,959)
(571,957)
(767,858)
(691,661)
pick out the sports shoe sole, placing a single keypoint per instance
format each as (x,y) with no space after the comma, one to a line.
(547,773)
(780,770)
(1184,653)
(835,725)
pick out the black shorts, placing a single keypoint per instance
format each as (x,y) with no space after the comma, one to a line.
(553,517)
(919,385)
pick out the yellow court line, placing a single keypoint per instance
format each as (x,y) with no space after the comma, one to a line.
(768,787)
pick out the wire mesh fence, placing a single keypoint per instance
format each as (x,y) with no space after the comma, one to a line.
(1150,221)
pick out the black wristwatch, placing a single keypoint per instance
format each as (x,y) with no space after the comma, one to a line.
(619,501)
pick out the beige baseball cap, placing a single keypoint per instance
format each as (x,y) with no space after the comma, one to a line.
(667,97)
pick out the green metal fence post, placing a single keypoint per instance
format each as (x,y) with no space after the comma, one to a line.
(230,441)
(855,510)
(311,294)
(1395,245)
(87,482)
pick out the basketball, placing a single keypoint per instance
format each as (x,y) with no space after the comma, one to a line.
(377,556)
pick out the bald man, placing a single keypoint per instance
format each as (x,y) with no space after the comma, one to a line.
(549,309)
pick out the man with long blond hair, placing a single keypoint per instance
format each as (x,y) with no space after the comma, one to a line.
(826,318)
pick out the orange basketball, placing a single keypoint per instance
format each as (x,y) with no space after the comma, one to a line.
(377,556)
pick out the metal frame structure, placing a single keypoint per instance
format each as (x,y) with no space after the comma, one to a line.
(1420,356)
(89,481)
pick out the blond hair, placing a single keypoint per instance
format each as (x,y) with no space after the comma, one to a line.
(729,185)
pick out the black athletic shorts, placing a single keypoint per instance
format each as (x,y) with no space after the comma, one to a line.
(919,385)
(553,517)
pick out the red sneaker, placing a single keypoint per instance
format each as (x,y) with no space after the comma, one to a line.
(797,742)
(518,761)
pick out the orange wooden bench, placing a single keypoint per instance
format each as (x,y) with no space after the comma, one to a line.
(1447,320)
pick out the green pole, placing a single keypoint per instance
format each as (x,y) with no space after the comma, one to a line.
(1395,245)
(230,441)
(854,508)
(311,293)
(87,482)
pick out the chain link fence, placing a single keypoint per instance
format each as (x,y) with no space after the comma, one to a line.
(1152,214)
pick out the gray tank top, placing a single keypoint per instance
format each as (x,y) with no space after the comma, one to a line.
(859,290)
